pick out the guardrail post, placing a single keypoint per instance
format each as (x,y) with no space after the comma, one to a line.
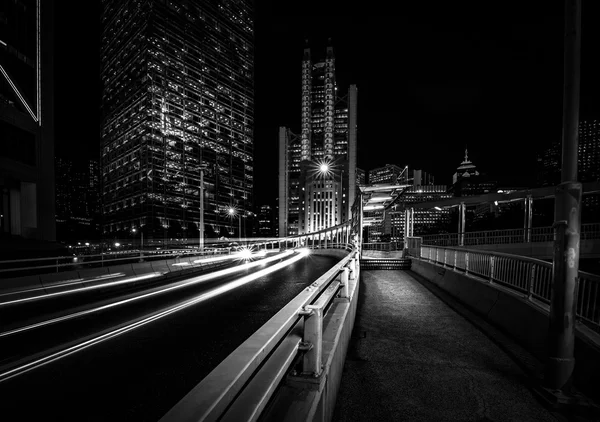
(352,268)
(345,290)
(445,253)
(455,258)
(492,267)
(530,283)
(466,262)
(312,340)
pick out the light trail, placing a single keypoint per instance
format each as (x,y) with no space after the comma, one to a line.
(4,376)
(185,283)
(103,285)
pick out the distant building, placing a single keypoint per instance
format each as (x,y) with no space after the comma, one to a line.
(361,176)
(386,174)
(27,120)
(426,221)
(266,220)
(77,199)
(468,181)
(549,163)
(317,168)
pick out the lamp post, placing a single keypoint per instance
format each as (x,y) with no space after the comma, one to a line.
(232,212)
(141,243)
(201,228)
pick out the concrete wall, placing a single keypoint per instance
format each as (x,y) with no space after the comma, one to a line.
(526,321)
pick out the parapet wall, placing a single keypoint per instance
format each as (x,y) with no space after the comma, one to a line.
(527,322)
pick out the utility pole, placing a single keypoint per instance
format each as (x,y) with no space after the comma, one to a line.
(567,212)
(201,228)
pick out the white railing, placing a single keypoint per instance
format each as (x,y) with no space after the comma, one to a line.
(22,267)
(497,237)
(529,276)
(383,246)
(290,342)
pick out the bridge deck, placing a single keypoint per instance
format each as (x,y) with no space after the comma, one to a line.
(412,357)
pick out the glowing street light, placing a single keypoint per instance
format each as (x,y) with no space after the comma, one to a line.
(232,212)
(324,168)
(141,243)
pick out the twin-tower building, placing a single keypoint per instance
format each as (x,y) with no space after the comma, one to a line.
(317,167)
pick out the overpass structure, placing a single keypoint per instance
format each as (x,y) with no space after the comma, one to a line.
(291,368)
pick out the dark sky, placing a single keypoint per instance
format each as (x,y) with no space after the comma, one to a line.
(431,80)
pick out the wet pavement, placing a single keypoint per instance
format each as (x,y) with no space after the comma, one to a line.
(414,358)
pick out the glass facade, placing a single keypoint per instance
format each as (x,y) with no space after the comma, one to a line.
(178,100)
(27,120)
(308,198)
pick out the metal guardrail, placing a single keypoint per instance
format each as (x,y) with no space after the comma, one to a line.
(497,237)
(383,246)
(22,267)
(241,386)
(529,276)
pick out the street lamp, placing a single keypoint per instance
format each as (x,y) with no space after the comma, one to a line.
(233,212)
(141,243)
(201,228)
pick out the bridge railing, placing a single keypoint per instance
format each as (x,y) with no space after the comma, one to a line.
(118,255)
(383,246)
(507,236)
(291,342)
(528,276)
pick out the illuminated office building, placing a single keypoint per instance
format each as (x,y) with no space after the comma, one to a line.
(27,120)
(386,174)
(178,96)
(317,168)
(425,221)
(588,167)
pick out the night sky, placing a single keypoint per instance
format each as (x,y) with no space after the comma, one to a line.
(431,80)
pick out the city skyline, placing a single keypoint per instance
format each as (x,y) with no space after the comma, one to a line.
(430,85)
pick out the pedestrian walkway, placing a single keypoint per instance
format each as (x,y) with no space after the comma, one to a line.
(413,358)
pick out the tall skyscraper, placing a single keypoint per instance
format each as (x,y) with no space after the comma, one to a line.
(27,119)
(317,168)
(178,97)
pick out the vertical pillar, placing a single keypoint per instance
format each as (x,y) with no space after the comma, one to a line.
(405,229)
(412,222)
(567,213)
(461,224)
(528,217)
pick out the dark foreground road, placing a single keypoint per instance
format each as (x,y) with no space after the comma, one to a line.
(141,374)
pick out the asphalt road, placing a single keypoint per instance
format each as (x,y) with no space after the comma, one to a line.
(140,374)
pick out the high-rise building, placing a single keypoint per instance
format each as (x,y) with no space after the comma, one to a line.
(317,169)
(77,199)
(27,119)
(178,107)
(266,221)
(549,163)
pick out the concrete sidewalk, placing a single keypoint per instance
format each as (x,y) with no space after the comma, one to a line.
(413,358)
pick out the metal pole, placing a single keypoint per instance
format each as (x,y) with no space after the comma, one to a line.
(201,228)
(567,213)
(141,245)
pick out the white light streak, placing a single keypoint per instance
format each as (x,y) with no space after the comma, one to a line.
(13,86)
(133,325)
